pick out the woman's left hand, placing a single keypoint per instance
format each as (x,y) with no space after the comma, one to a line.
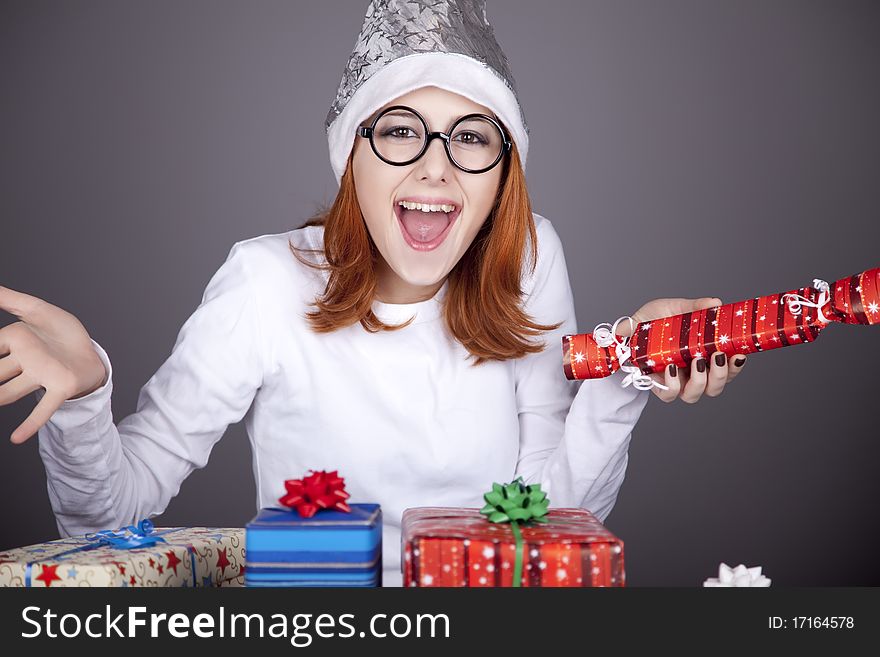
(702,377)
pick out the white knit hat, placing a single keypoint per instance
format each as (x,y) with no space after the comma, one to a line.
(407,44)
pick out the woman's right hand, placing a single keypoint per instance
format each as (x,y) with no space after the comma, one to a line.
(47,348)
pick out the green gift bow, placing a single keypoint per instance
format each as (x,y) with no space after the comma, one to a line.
(516,503)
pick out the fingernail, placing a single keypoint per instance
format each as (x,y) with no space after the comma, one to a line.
(673,370)
(720,359)
(739,361)
(701,365)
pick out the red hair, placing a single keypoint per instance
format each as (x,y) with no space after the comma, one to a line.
(483,305)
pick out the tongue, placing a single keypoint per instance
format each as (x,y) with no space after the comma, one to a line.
(423,226)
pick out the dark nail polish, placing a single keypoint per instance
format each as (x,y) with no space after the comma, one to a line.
(720,359)
(739,362)
(673,370)
(701,365)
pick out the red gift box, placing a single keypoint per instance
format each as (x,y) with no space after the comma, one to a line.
(459,547)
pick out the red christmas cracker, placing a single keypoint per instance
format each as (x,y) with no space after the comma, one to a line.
(744,327)
(458,547)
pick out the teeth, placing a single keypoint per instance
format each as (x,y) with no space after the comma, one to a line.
(425,207)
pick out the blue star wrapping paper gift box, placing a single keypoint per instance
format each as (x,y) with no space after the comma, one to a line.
(141,555)
(320,542)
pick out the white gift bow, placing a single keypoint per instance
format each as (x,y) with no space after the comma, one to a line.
(741,576)
(605,335)
(795,301)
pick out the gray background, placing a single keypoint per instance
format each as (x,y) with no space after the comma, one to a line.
(680,148)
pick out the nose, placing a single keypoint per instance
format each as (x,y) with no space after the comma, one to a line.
(434,164)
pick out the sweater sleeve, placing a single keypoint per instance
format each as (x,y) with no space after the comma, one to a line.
(103,476)
(574,435)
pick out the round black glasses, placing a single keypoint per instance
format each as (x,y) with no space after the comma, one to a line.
(399,136)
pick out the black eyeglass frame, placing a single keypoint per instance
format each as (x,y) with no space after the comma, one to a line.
(367,132)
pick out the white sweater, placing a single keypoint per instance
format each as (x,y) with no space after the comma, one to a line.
(403,416)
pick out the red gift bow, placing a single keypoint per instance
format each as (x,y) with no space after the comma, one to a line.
(319,490)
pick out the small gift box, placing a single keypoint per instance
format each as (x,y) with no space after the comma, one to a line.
(141,555)
(512,547)
(321,541)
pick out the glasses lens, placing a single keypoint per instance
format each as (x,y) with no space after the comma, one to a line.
(475,143)
(399,135)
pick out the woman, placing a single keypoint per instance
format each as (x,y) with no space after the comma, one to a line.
(409,337)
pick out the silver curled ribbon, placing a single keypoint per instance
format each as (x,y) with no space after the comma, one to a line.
(795,301)
(605,335)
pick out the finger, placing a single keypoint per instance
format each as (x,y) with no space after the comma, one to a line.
(671,380)
(6,337)
(15,389)
(18,303)
(38,417)
(696,384)
(736,365)
(717,375)
(9,367)
(678,306)
(706,302)
(683,377)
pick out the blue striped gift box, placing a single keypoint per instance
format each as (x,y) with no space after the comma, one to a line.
(332,548)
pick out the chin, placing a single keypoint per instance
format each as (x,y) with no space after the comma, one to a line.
(419,272)
(422,275)
(421,269)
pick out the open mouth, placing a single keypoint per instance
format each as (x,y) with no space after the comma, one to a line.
(425,231)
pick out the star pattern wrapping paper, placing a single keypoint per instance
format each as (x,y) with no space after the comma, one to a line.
(191,556)
(743,327)
(461,548)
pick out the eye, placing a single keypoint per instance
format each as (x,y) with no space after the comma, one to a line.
(400,132)
(470,138)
